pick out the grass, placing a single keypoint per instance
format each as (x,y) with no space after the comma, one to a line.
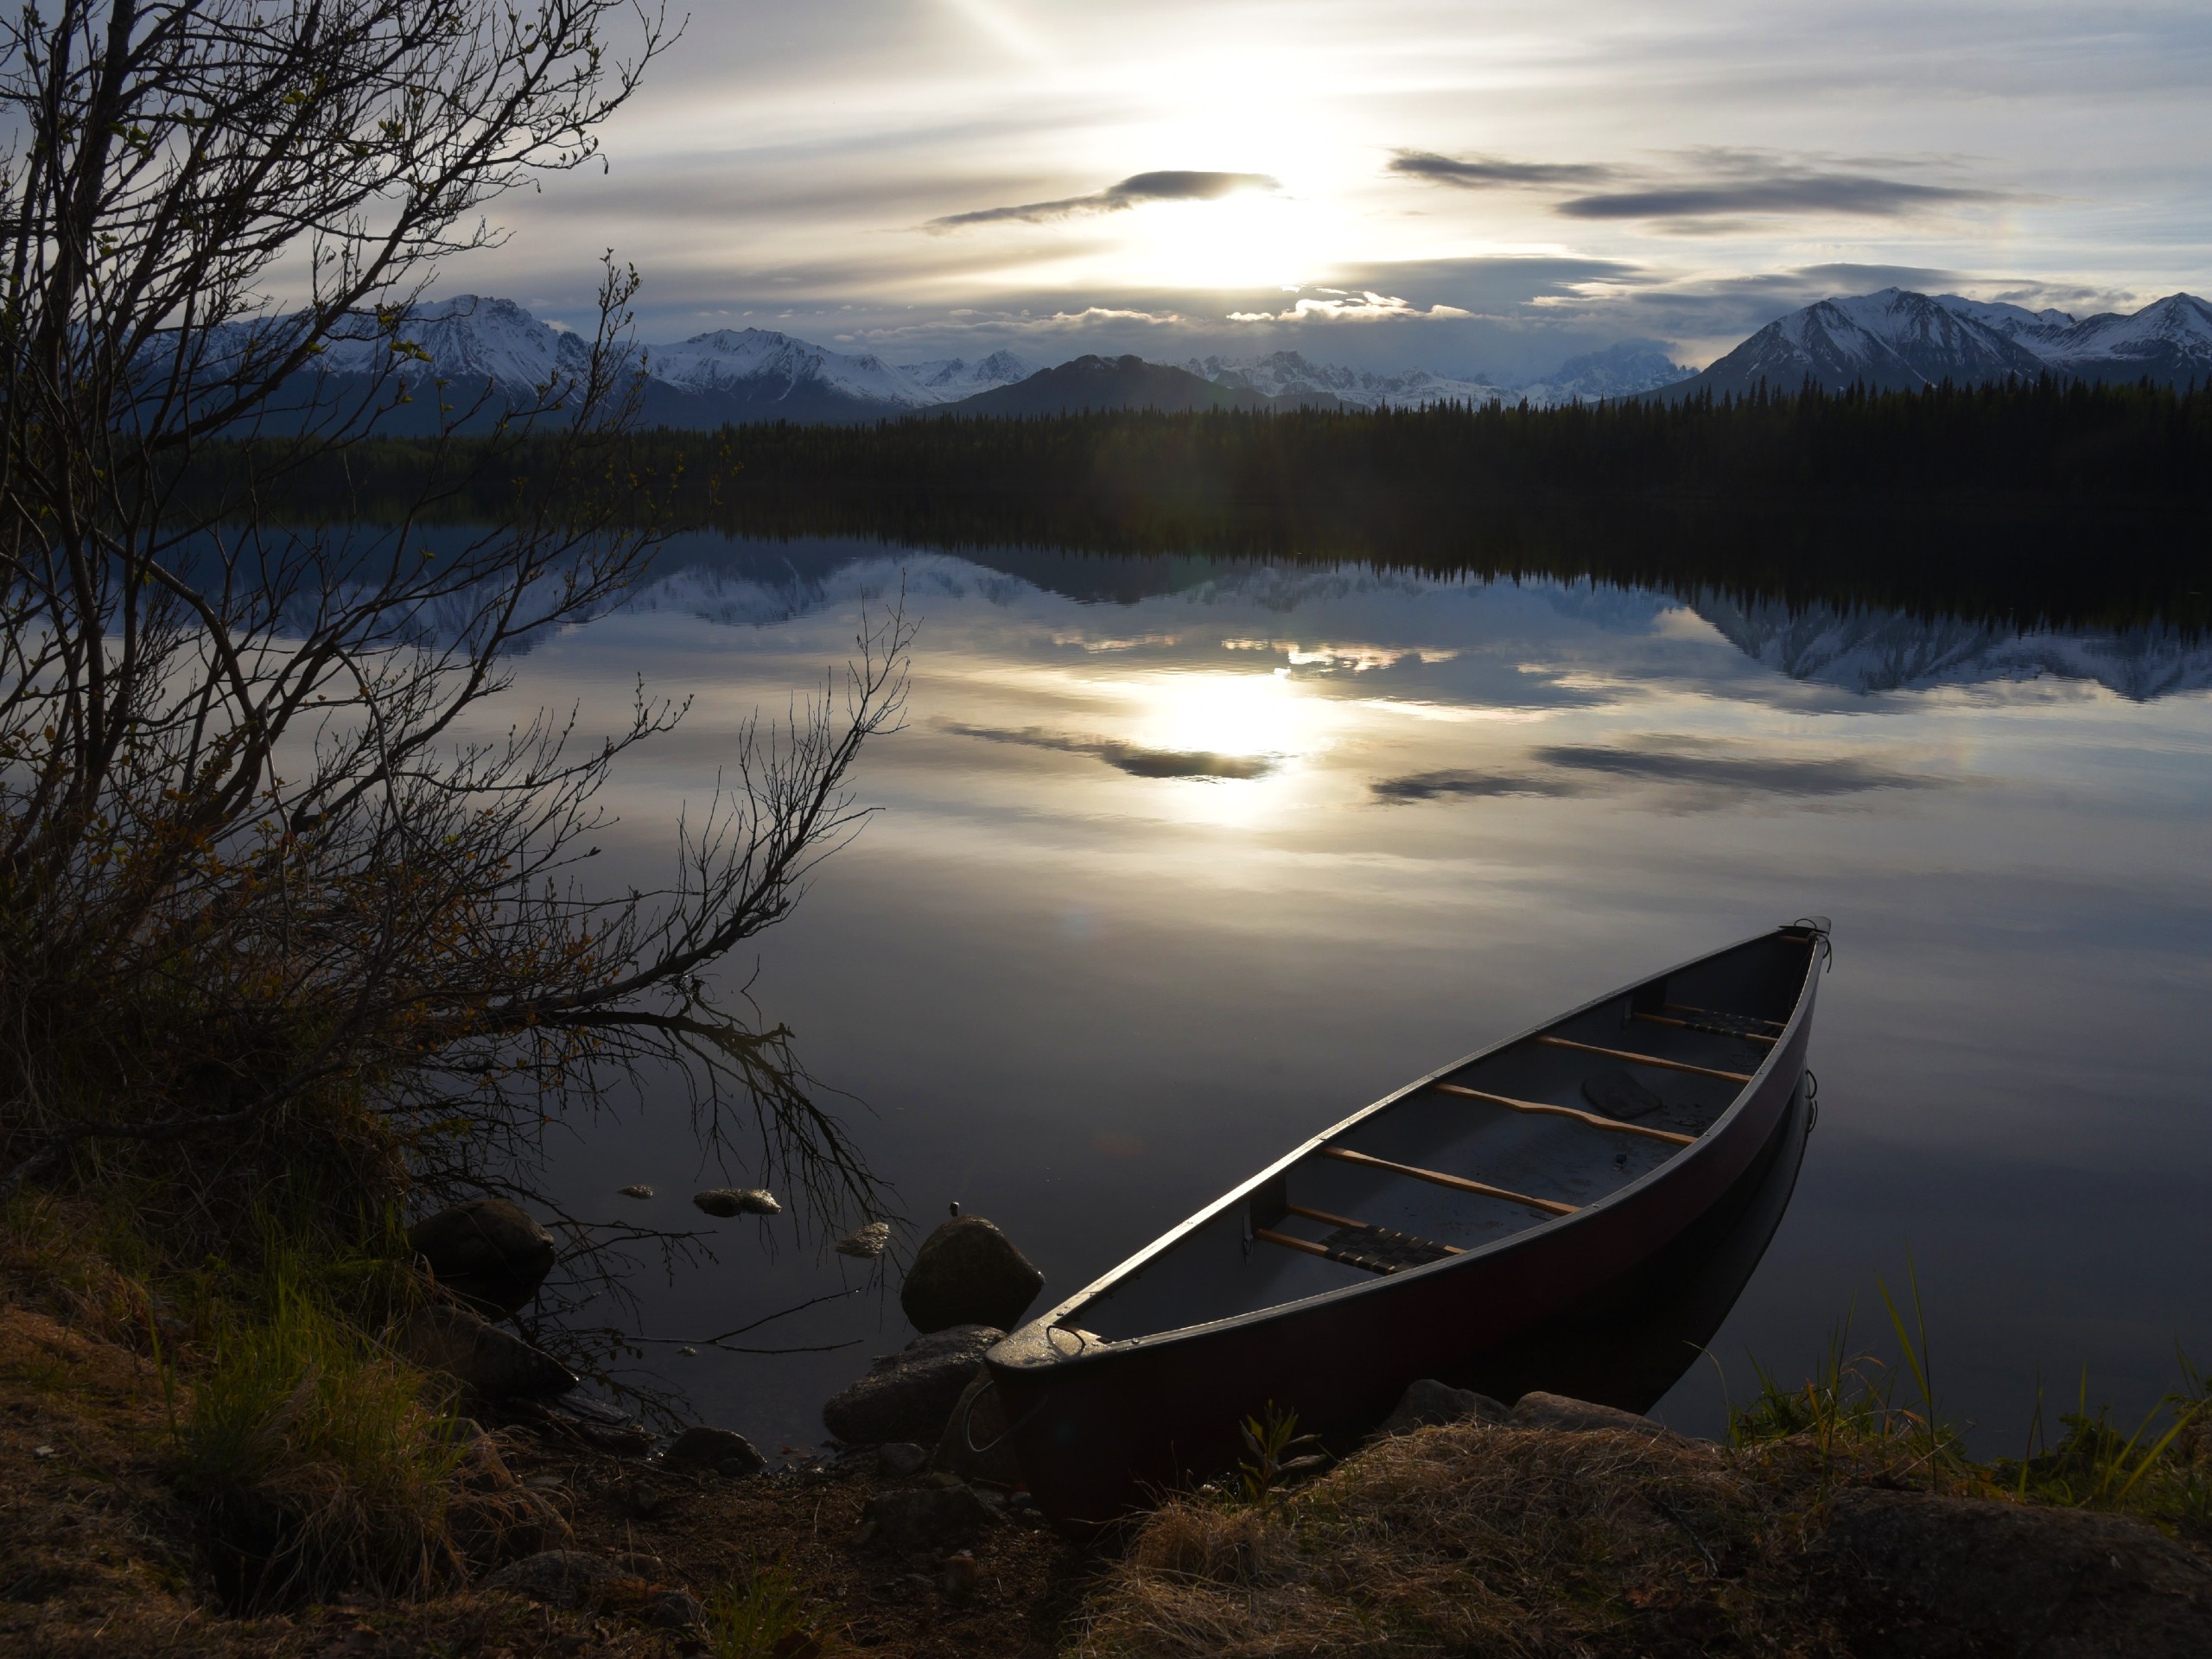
(758,1616)
(1856,1415)
(314,1457)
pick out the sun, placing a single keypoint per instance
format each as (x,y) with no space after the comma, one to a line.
(1228,713)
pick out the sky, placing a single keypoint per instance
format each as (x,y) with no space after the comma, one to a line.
(1394,183)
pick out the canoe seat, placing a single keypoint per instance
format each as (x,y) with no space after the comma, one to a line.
(1730,1024)
(1381,1251)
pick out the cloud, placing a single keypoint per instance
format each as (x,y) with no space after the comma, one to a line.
(1488,172)
(1116,198)
(1859,194)
(1439,785)
(1707,184)
(1708,771)
(1135,759)
(1736,768)
(1338,305)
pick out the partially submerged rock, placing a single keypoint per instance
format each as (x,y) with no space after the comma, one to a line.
(909,1396)
(1569,1416)
(727,1201)
(1429,1402)
(866,1242)
(969,1273)
(722,1450)
(494,1363)
(489,1251)
(638,1190)
(900,1460)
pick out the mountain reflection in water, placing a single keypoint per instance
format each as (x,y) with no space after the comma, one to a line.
(1180,860)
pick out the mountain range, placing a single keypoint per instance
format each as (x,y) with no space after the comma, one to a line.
(494,351)
(1898,340)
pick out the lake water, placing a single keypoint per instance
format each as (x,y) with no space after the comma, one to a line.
(1179,861)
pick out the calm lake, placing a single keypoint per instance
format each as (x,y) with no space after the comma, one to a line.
(1179,861)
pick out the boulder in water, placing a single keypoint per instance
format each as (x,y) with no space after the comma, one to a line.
(909,1396)
(489,1252)
(969,1273)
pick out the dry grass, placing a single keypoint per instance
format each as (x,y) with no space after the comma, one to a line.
(1469,1540)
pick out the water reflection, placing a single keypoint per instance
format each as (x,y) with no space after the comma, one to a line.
(1183,859)
(1630,1344)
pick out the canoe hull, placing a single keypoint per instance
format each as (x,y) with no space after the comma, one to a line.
(1107,1430)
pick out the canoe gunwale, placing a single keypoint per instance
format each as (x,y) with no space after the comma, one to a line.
(1045,1355)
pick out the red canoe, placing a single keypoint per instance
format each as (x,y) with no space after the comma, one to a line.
(1432,1225)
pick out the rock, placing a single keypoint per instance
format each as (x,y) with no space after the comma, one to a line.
(640,1191)
(487,1251)
(496,1363)
(969,1273)
(727,1201)
(908,1396)
(1430,1402)
(1945,1578)
(675,1610)
(900,1460)
(722,1449)
(1558,1413)
(979,1416)
(866,1243)
(909,1521)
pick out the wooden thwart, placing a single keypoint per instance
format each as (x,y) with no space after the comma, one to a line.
(1688,1024)
(1457,1183)
(1643,1060)
(1595,1119)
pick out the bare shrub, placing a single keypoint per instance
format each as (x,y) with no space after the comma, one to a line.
(270,925)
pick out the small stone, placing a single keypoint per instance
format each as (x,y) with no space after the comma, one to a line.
(640,1191)
(969,1273)
(675,1610)
(909,1521)
(488,1252)
(909,1396)
(496,1363)
(866,1243)
(960,1577)
(700,1448)
(727,1201)
(900,1460)
(689,1353)
(1430,1402)
(1560,1414)
(41,1452)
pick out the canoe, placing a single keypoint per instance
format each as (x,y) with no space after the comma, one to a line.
(1441,1222)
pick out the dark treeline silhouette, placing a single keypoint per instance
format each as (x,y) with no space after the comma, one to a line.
(2045,501)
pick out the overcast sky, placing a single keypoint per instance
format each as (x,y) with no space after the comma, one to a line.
(1383,182)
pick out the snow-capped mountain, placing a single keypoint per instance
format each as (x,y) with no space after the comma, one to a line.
(953,377)
(754,369)
(1898,340)
(1872,651)
(1618,371)
(469,338)
(1622,371)
(1287,373)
